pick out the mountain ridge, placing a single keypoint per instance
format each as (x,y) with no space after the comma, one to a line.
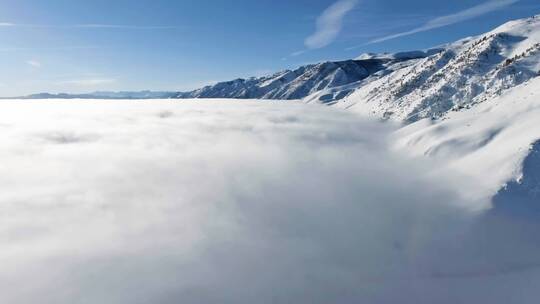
(298,83)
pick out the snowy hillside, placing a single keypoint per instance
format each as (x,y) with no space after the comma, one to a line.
(489,143)
(468,72)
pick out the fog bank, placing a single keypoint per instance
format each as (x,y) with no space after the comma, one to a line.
(239,202)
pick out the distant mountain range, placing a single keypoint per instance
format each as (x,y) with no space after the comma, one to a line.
(103,95)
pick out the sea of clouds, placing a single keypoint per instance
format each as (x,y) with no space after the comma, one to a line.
(239,202)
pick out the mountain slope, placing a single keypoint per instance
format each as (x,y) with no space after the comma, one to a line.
(466,73)
(489,143)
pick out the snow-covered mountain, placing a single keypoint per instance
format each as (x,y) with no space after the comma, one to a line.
(305,80)
(473,106)
(465,73)
(473,109)
(406,86)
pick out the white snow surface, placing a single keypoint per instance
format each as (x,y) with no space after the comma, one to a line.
(488,142)
(224,201)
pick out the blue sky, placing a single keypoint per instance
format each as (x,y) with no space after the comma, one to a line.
(81,46)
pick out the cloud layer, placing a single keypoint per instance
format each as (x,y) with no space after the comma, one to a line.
(237,202)
(329,24)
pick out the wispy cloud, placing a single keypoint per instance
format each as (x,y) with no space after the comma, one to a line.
(123,26)
(34,63)
(298,53)
(60,48)
(329,24)
(447,20)
(87,82)
(91,26)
